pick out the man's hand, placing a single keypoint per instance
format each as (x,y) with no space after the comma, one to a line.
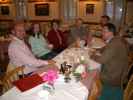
(92,52)
(95,54)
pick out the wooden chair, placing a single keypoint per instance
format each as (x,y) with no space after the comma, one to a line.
(96,90)
(12,76)
(125,80)
(131,96)
(128,93)
(130,58)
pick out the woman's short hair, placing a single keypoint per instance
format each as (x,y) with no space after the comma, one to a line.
(55,21)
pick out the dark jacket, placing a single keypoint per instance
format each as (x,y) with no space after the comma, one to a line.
(53,39)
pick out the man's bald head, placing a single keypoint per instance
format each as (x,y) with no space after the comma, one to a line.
(18,30)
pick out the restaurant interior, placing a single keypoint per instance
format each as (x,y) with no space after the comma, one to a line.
(77,75)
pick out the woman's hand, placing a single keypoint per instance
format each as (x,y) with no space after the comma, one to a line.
(51,62)
(50,46)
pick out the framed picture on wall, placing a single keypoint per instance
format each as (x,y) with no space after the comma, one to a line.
(90,9)
(42,0)
(42,9)
(4,10)
(89,0)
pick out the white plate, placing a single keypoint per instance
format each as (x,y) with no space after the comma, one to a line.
(97,43)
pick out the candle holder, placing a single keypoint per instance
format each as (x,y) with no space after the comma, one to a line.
(77,77)
(49,88)
(67,74)
(66,70)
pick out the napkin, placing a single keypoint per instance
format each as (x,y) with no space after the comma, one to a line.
(28,82)
(43,94)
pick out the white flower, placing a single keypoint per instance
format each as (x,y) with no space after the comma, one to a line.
(82,58)
(80,69)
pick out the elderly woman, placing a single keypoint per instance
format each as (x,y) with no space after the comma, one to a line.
(39,45)
(56,37)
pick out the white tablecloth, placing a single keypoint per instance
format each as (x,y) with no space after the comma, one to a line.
(63,91)
(73,54)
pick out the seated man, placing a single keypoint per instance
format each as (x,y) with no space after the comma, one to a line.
(20,54)
(78,31)
(114,60)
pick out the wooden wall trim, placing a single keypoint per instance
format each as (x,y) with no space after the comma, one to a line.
(6,20)
(40,20)
(129,0)
(89,0)
(11,20)
(31,1)
(9,2)
(91,23)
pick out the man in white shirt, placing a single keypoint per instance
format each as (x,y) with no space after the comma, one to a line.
(20,54)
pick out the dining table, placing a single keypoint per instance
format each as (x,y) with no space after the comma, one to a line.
(73,90)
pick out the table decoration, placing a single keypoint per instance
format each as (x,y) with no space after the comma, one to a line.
(49,77)
(82,43)
(49,88)
(66,70)
(80,71)
(65,67)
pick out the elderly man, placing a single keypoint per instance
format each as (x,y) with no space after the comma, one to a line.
(19,52)
(79,31)
(114,60)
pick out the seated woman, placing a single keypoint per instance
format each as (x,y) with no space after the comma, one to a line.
(56,37)
(39,45)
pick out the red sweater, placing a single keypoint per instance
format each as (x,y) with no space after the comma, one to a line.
(53,39)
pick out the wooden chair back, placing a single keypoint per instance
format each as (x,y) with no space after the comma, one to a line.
(12,76)
(128,93)
(96,90)
(125,80)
